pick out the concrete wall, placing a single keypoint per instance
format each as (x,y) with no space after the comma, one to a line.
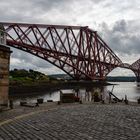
(4,74)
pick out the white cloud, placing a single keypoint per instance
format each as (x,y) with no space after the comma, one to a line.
(121,72)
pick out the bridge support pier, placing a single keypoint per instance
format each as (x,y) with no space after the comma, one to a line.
(4,74)
(138,76)
(138,79)
(4,69)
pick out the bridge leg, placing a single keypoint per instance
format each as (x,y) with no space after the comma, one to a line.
(137,73)
(138,79)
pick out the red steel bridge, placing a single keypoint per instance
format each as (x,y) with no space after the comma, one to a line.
(77,50)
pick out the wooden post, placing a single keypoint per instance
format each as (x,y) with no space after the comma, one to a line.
(126,100)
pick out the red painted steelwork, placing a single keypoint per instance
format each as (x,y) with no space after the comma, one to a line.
(136,69)
(78,51)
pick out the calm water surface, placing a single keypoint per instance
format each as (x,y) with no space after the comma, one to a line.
(126,88)
(120,90)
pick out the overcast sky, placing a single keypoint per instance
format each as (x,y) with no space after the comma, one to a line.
(117,22)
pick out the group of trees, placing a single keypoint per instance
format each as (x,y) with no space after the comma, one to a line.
(25,73)
(121,79)
(23,76)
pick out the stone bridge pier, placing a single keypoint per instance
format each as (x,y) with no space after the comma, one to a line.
(4,68)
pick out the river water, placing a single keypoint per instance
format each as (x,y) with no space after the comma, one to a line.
(120,89)
(126,88)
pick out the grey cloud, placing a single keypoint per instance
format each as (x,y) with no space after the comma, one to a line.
(121,37)
(120,26)
(49,4)
(23,11)
(38,11)
(28,59)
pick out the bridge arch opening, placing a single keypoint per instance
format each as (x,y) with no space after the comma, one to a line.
(128,74)
(23,60)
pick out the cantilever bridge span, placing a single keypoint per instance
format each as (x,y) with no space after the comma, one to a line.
(135,67)
(79,51)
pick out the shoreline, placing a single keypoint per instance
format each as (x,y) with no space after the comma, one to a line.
(15,90)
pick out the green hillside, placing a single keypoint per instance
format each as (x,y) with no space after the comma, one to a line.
(27,77)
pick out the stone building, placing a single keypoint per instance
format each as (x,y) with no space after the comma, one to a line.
(4,68)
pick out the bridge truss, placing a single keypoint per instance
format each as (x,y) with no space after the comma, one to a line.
(78,51)
(135,67)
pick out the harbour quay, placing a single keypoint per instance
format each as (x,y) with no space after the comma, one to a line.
(72,121)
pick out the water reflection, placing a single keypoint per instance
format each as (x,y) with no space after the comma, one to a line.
(88,94)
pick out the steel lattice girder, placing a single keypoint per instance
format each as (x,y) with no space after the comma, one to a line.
(78,51)
(136,69)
